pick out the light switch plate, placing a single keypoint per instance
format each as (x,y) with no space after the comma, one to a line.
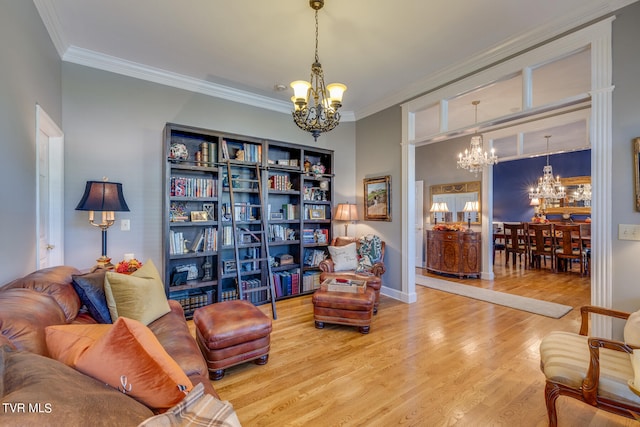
(628,232)
(125,225)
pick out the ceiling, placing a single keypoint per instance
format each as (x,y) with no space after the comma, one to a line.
(386,52)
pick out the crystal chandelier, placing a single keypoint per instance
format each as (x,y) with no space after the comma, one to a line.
(549,188)
(322,115)
(476,158)
(583,192)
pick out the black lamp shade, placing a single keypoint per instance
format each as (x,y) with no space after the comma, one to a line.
(103,196)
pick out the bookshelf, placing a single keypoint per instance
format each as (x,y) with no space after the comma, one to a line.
(296,197)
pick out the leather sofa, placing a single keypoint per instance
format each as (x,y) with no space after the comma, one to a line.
(38,390)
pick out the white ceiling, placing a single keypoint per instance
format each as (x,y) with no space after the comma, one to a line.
(384,51)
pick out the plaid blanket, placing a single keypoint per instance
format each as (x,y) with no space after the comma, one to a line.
(196,409)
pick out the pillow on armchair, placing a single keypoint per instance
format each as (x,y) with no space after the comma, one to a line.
(345,258)
(369,252)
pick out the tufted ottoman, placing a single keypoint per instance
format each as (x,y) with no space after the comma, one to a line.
(232,332)
(374,282)
(344,308)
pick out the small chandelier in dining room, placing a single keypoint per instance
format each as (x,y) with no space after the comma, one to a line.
(549,188)
(475,158)
(583,193)
(322,115)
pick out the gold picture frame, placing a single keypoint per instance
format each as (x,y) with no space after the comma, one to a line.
(317,213)
(199,216)
(377,198)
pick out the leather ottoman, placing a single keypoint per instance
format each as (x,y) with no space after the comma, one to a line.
(374,282)
(344,308)
(232,332)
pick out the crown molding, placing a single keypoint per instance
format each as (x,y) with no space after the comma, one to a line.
(52,23)
(495,54)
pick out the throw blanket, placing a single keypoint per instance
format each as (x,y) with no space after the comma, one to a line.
(369,253)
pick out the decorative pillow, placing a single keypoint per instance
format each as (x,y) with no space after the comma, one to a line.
(344,257)
(90,288)
(63,395)
(197,408)
(66,343)
(369,252)
(127,356)
(632,330)
(138,296)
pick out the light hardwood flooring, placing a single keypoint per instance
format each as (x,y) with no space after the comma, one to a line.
(444,360)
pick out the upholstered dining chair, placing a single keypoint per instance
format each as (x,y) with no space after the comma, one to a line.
(541,244)
(568,247)
(594,370)
(515,240)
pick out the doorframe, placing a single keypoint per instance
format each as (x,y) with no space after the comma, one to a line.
(598,37)
(55,139)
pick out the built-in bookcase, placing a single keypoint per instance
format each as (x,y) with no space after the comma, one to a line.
(297,195)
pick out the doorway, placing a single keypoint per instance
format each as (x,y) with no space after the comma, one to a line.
(49,191)
(597,38)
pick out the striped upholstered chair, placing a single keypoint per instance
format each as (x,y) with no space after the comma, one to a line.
(594,370)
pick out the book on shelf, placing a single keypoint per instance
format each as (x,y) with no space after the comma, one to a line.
(197,242)
(313,257)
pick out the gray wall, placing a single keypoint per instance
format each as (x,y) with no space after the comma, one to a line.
(626,126)
(378,146)
(113,127)
(435,164)
(30,74)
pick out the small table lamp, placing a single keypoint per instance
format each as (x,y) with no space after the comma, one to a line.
(470,207)
(105,197)
(346,212)
(438,207)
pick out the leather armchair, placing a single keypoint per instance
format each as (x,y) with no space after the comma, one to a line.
(378,269)
(594,370)
(373,276)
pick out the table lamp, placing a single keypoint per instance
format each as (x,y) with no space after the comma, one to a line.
(470,207)
(106,197)
(346,212)
(438,207)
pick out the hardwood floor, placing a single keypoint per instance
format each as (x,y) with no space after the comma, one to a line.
(445,360)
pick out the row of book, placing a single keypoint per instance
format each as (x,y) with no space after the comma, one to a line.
(314,212)
(287,283)
(250,152)
(229,295)
(251,291)
(280,232)
(310,281)
(290,211)
(313,257)
(207,240)
(182,186)
(190,302)
(280,183)
(315,235)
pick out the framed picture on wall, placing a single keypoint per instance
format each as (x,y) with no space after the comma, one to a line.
(377,198)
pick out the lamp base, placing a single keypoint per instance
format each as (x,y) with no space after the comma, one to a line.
(104,262)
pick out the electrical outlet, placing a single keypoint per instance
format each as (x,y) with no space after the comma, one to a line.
(628,232)
(125,225)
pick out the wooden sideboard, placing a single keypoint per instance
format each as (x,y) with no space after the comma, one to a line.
(454,252)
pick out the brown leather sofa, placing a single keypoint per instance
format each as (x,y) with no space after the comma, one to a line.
(42,391)
(373,276)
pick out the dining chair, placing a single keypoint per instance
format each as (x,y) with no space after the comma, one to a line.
(498,241)
(568,247)
(541,245)
(515,240)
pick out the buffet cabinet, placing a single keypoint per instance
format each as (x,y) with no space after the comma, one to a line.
(454,252)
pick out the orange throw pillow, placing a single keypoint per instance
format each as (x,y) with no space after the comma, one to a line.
(127,356)
(67,342)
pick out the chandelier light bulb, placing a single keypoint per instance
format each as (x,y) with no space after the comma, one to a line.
(476,158)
